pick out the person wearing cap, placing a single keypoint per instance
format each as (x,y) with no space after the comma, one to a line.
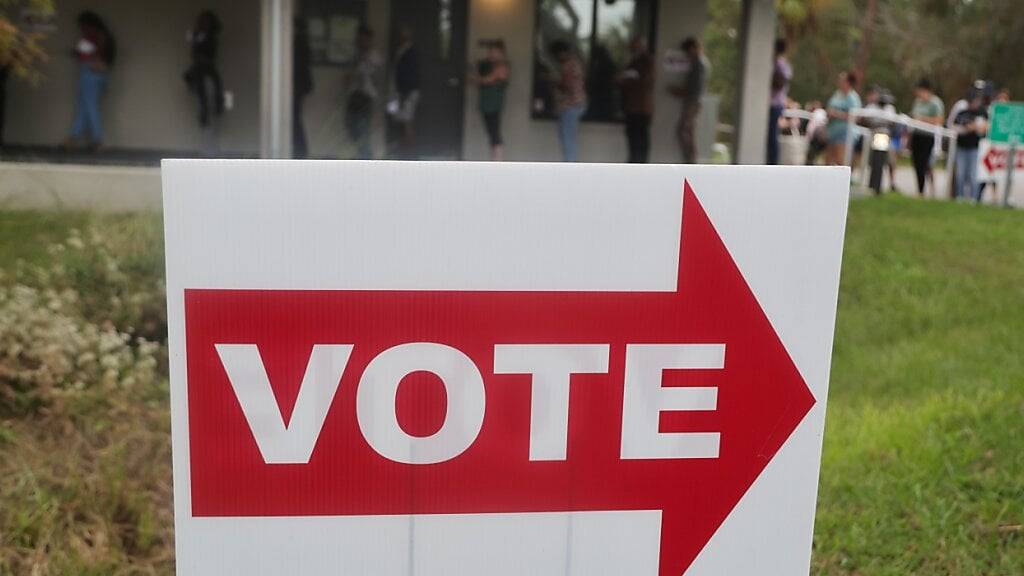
(970,124)
(960,105)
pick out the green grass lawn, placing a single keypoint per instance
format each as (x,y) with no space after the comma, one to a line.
(923,465)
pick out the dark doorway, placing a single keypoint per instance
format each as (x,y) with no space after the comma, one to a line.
(438,30)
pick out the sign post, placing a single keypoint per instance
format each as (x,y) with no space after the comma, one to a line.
(1009,172)
(449,368)
(1007,127)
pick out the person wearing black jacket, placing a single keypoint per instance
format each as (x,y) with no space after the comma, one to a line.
(203,78)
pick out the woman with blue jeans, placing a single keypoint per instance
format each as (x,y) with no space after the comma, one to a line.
(95,54)
(570,98)
(87,109)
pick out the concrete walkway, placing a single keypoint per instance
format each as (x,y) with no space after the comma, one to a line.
(43,186)
(906,182)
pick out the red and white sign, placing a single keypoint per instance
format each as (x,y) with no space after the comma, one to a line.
(393,368)
(992,160)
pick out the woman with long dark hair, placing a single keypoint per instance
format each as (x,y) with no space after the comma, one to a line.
(95,52)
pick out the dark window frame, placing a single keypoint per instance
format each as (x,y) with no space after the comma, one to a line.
(324,11)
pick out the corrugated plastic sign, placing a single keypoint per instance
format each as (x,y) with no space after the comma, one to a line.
(453,368)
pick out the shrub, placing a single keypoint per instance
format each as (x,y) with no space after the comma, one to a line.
(84,427)
(49,357)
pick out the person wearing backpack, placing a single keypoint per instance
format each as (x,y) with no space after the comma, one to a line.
(781,77)
(95,52)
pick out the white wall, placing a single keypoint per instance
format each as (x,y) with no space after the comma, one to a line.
(528,139)
(147,104)
(758,63)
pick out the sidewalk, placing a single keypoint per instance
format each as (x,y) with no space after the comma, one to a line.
(906,182)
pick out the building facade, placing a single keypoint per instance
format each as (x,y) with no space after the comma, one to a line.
(147,105)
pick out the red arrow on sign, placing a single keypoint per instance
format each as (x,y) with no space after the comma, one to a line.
(686,434)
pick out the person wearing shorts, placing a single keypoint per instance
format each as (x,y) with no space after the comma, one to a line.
(839,105)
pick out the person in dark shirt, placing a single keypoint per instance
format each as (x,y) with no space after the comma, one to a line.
(402,109)
(971,125)
(690,92)
(637,85)
(203,78)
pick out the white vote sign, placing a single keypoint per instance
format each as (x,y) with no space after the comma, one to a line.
(445,368)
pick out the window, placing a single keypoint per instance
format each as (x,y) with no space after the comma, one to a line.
(328,30)
(599,32)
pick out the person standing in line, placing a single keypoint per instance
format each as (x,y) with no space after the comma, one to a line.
(896,130)
(927,108)
(971,125)
(302,85)
(1002,95)
(95,52)
(962,104)
(782,75)
(876,99)
(402,109)
(492,75)
(690,92)
(839,105)
(637,85)
(815,131)
(570,98)
(203,78)
(363,93)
